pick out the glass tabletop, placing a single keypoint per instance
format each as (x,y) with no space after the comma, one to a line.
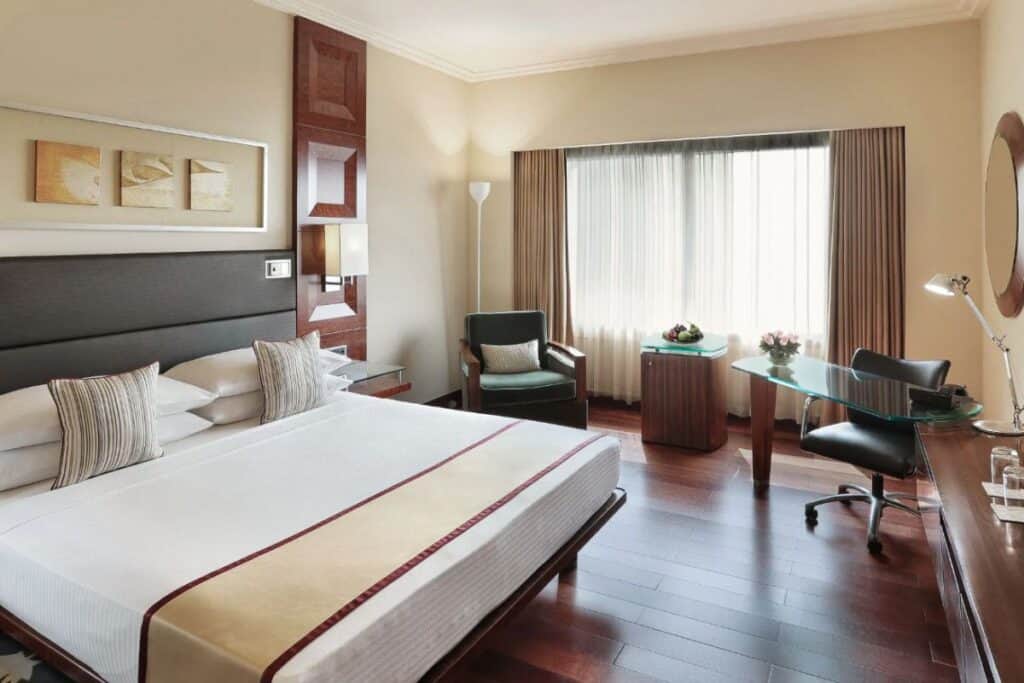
(710,345)
(361,370)
(882,397)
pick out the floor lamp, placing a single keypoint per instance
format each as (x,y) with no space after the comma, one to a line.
(951,285)
(479,190)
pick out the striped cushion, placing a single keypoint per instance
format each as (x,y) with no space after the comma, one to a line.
(107,423)
(290,375)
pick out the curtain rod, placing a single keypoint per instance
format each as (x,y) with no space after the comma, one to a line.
(705,137)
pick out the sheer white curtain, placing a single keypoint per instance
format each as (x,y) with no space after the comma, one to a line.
(731,234)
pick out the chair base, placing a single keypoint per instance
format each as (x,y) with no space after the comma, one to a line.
(878,499)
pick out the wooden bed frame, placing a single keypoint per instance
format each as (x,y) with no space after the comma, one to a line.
(564,560)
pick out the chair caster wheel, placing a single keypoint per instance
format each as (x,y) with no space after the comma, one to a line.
(810,516)
(874,546)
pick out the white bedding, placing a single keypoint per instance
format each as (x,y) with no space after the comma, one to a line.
(82,564)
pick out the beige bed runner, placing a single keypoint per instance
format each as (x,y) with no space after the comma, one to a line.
(243,622)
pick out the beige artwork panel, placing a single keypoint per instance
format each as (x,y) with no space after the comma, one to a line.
(67,174)
(209,186)
(147,180)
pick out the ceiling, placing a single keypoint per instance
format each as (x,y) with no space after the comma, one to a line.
(479,40)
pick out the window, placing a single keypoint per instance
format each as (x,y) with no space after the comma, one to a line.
(731,234)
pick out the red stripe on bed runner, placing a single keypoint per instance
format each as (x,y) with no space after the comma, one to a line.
(351,606)
(147,618)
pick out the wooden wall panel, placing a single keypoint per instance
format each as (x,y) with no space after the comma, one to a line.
(329,124)
(330,79)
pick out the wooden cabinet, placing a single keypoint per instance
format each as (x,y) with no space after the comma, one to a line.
(682,400)
(979,561)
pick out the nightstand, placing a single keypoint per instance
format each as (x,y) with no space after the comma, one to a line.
(374,379)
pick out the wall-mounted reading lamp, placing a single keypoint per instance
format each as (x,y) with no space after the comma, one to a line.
(346,254)
(951,285)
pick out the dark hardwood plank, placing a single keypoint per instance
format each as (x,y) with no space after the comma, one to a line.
(700,579)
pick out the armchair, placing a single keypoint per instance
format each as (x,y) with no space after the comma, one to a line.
(556,393)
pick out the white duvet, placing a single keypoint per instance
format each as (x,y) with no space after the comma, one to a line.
(82,564)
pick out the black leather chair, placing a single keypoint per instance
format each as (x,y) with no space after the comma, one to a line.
(556,393)
(870,443)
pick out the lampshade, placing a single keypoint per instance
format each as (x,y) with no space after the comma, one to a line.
(346,250)
(941,284)
(479,190)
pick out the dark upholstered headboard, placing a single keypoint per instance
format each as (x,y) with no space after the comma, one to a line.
(76,316)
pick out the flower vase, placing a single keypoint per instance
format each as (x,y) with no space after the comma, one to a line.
(780,358)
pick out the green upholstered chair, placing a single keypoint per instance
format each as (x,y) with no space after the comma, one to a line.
(557,392)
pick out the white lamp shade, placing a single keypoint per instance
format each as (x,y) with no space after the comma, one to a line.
(941,284)
(346,250)
(479,190)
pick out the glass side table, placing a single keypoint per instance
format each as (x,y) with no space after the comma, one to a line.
(682,392)
(374,379)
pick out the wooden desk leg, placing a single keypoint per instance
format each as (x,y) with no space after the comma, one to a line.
(762,429)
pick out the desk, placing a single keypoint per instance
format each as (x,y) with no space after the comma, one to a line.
(979,561)
(882,397)
(682,397)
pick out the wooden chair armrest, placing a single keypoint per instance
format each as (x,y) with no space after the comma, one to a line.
(570,351)
(472,398)
(468,357)
(579,361)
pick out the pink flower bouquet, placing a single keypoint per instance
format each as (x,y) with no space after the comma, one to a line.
(780,346)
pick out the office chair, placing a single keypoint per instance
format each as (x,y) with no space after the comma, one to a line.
(871,443)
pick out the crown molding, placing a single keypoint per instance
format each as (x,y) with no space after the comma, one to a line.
(808,29)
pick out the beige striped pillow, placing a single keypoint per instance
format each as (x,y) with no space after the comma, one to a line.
(107,423)
(290,375)
(511,358)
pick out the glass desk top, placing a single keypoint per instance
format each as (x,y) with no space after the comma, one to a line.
(361,370)
(710,345)
(879,396)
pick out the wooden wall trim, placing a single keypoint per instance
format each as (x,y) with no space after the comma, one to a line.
(328,121)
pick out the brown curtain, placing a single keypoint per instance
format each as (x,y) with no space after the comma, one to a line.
(540,248)
(868,244)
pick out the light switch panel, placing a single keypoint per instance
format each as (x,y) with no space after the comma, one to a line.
(278,269)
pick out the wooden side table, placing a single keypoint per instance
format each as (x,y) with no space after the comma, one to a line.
(374,379)
(682,393)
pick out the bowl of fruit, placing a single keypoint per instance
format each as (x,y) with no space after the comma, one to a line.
(683,334)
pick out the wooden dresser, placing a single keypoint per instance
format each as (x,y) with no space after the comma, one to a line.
(978,559)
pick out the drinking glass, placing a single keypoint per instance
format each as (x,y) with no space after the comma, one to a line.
(1013,480)
(1001,458)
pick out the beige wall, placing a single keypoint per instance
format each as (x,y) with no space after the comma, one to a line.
(216,67)
(1002,90)
(417,141)
(225,67)
(925,79)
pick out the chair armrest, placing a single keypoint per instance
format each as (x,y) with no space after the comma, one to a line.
(471,397)
(570,351)
(574,363)
(804,423)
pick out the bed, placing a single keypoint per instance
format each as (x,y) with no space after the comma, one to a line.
(364,540)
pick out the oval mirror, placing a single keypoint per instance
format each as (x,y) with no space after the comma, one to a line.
(1004,244)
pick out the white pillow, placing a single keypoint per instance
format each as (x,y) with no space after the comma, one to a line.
(233,408)
(232,373)
(510,358)
(29,464)
(29,416)
(249,405)
(174,397)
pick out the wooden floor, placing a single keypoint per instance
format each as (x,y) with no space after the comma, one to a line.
(697,579)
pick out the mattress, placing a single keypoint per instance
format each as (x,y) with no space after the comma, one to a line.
(83,564)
